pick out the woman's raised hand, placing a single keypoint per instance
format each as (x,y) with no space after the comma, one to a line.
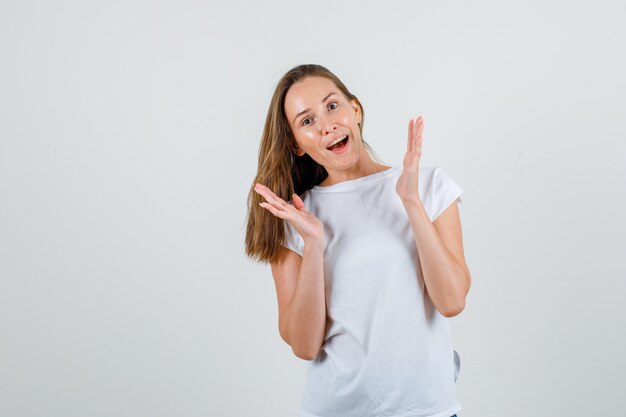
(406,187)
(309,226)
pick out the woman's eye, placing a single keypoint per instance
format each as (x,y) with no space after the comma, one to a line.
(335,103)
(304,123)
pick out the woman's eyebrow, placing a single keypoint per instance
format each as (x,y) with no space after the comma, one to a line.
(306,110)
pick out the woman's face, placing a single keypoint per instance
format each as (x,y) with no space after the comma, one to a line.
(318,114)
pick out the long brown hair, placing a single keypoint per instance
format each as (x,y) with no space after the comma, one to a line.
(280,169)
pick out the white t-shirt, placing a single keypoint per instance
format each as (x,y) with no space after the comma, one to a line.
(387,350)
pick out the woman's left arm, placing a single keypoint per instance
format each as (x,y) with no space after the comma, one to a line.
(440,243)
(440,250)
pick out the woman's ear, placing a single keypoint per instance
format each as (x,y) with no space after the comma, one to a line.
(295,149)
(357,111)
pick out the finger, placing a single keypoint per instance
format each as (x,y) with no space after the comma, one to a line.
(276,212)
(297,202)
(269,196)
(413,133)
(409,144)
(420,126)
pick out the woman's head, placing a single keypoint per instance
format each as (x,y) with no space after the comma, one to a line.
(315,105)
(319,113)
(302,121)
(301,144)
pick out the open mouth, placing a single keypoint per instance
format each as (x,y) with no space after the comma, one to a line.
(338,146)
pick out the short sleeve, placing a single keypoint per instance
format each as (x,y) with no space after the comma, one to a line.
(293,240)
(446,191)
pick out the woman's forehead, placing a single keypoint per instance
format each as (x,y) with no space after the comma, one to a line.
(309,92)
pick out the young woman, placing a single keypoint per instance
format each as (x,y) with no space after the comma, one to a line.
(367,261)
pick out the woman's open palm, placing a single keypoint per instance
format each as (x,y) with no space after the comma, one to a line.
(309,226)
(407,185)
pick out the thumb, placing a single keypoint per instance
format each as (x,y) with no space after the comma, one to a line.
(297,202)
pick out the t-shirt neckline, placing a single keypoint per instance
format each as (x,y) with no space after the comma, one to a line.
(351,184)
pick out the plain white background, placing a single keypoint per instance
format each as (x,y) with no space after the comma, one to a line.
(129,134)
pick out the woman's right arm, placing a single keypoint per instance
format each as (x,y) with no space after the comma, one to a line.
(299,280)
(301,298)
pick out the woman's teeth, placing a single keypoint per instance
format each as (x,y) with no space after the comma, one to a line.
(336,142)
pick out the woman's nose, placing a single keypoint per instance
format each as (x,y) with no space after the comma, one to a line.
(329,125)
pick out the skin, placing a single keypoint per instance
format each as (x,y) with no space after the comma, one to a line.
(325,121)
(439,243)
